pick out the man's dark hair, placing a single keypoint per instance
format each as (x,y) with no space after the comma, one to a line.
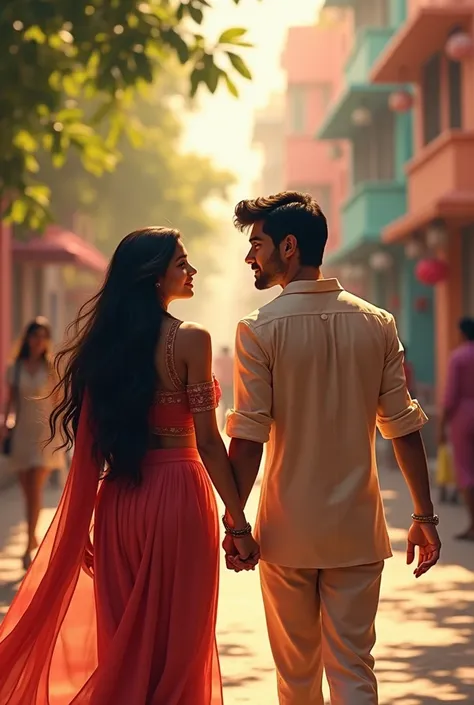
(288,213)
(466,326)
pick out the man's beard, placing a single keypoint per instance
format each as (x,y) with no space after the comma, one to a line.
(268,276)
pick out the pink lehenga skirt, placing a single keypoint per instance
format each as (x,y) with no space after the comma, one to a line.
(141,631)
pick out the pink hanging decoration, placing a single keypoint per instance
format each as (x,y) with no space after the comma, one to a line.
(400,101)
(431,271)
(459,46)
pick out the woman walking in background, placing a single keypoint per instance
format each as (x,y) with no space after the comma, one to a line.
(139,401)
(458,415)
(31,380)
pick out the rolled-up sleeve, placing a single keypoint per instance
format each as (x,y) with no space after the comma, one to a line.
(251,418)
(397,413)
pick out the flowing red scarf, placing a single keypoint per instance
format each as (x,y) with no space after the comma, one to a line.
(48,638)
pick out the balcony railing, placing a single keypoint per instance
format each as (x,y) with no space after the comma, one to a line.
(369,44)
(442,167)
(371,207)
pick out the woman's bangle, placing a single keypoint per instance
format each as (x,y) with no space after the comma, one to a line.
(236,533)
(426,519)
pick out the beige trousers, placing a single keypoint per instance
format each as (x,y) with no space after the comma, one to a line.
(322,619)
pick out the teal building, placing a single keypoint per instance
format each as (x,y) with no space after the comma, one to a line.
(381,144)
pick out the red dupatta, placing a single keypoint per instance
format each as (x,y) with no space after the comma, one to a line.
(48,641)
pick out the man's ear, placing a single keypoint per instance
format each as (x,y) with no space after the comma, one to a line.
(290,246)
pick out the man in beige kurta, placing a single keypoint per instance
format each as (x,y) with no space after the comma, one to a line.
(317,371)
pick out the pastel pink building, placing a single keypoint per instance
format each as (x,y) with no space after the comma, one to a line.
(434,50)
(314,58)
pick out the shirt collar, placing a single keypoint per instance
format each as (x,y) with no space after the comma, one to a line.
(312,286)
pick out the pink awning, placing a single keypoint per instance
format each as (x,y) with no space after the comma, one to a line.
(59,246)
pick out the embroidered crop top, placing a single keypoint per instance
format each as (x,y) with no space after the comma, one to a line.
(172,412)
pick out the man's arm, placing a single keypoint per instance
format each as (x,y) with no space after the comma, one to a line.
(249,423)
(411,458)
(245,457)
(400,418)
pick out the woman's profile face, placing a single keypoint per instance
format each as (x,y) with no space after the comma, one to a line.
(177,283)
(38,342)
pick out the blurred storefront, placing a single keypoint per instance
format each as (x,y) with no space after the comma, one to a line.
(50,275)
(433,50)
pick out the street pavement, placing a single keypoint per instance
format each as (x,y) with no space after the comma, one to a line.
(425,650)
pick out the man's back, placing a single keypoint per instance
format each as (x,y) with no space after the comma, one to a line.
(317,368)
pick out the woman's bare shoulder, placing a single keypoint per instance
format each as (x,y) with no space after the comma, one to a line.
(194,338)
(194,330)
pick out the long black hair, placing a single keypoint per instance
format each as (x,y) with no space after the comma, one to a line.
(111,355)
(39,323)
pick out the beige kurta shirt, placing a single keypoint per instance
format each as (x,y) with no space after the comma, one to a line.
(316,371)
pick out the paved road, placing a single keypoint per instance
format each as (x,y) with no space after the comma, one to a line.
(425,651)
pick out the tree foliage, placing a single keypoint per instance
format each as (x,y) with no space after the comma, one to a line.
(154,182)
(69,66)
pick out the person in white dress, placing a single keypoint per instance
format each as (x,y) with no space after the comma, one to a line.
(31,381)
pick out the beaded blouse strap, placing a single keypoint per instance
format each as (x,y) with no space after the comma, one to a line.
(202,397)
(170,366)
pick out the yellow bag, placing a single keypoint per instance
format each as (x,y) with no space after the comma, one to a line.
(444,467)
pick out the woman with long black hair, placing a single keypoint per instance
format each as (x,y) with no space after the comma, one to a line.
(31,380)
(138,400)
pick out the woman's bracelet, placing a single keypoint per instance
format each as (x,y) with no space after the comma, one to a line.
(426,518)
(236,533)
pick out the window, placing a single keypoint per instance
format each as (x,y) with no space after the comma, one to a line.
(297,99)
(431,86)
(455,94)
(373,153)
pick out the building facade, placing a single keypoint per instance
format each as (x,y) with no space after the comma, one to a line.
(433,50)
(50,275)
(313,59)
(373,119)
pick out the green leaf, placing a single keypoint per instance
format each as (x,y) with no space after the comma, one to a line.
(39,193)
(34,34)
(231,87)
(211,74)
(197,77)
(24,140)
(230,36)
(31,164)
(178,44)
(196,14)
(18,211)
(239,65)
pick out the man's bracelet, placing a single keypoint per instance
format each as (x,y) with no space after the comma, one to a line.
(426,519)
(236,533)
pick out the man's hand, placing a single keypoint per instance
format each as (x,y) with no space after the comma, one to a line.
(425,536)
(232,559)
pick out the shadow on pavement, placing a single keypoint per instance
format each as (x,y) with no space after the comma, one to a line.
(427,654)
(440,657)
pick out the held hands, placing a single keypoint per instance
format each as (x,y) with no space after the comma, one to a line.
(241,553)
(426,537)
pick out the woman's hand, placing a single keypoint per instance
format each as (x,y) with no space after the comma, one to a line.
(248,553)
